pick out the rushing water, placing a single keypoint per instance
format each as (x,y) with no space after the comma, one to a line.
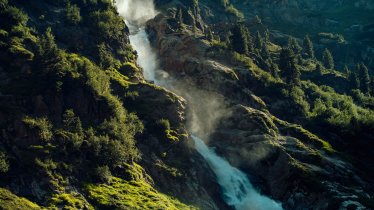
(236,188)
(147,58)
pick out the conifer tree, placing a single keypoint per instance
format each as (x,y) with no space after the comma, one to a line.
(308,48)
(266,36)
(259,42)
(319,69)
(274,69)
(294,45)
(209,34)
(328,60)
(363,75)
(265,54)
(239,41)
(287,64)
(353,80)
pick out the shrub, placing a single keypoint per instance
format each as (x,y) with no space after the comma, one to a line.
(40,125)
(71,122)
(103,174)
(73,15)
(4,165)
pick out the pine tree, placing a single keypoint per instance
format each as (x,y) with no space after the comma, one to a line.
(209,34)
(363,75)
(259,42)
(274,69)
(265,54)
(353,80)
(308,48)
(328,60)
(239,41)
(249,39)
(319,69)
(288,66)
(294,45)
(266,36)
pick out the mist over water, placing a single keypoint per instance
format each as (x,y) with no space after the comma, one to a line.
(236,188)
(206,109)
(136,13)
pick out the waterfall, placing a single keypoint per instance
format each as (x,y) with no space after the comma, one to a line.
(237,191)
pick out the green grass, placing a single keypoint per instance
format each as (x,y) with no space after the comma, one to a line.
(134,194)
(10,201)
(69,202)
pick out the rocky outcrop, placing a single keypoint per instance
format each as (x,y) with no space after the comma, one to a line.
(285,161)
(290,169)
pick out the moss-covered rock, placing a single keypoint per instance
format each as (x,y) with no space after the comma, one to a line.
(10,201)
(134,194)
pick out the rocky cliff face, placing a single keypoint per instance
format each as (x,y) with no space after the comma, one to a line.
(286,161)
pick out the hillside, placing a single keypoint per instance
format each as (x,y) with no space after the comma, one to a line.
(103,104)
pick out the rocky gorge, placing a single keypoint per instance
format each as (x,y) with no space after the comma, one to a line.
(97,122)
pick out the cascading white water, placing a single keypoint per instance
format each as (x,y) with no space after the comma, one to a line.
(236,188)
(146,56)
(136,13)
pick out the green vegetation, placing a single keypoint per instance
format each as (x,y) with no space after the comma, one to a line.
(4,165)
(308,48)
(68,202)
(328,60)
(9,201)
(135,194)
(287,64)
(73,14)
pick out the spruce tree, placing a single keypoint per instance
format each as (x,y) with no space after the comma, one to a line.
(287,64)
(319,69)
(308,48)
(353,80)
(265,54)
(266,36)
(274,69)
(363,75)
(209,34)
(239,41)
(259,42)
(294,45)
(328,60)
(249,39)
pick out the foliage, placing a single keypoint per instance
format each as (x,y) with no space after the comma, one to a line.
(68,202)
(73,14)
(288,66)
(363,76)
(4,165)
(41,126)
(328,60)
(294,45)
(308,48)
(136,194)
(10,201)
(239,40)
(107,24)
